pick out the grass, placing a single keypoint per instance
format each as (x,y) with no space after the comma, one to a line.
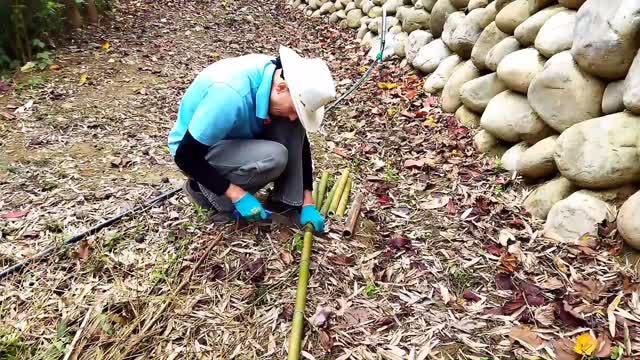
(12,347)
(371,289)
(297,243)
(391,174)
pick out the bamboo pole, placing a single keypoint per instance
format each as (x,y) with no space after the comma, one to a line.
(344,199)
(322,189)
(327,202)
(295,340)
(315,192)
(342,182)
(354,214)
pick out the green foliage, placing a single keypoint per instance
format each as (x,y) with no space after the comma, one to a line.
(12,347)
(298,242)
(371,289)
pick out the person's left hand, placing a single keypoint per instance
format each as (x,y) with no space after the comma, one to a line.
(311,215)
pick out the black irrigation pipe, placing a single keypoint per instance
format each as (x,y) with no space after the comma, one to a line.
(21,265)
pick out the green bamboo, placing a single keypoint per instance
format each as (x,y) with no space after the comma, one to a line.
(295,340)
(322,189)
(344,199)
(315,192)
(327,202)
(336,197)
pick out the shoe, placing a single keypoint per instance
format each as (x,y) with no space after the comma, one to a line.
(192,190)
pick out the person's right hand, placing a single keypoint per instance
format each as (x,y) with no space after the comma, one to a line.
(250,208)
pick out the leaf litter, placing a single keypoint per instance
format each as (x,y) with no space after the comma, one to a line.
(446,263)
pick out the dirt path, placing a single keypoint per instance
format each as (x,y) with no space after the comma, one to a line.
(418,281)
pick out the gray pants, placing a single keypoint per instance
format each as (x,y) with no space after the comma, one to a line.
(252,164)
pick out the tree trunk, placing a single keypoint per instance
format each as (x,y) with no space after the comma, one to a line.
(92,11)
(73,14)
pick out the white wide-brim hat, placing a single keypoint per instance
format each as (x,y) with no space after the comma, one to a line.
(310,84)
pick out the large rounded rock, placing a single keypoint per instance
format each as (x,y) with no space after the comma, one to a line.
(477,4)
(601,153)
(629,221)
(414,19)
(537,161)
(498,52)
(563,95)
(631,97)
(489,37)
(334,18)
(417,39)
(512,15)
(576,216)
(509,117)
(439,14)
(460,4)
(467,117)
(607,36)
(501,4)
(488,144)
(353,18)
(327,8)
(350,6)
(375,12)
(451,92)
(527,32)
(511,157)
(400,40)
(571,4)
(477,93)
(453,21)
(438,79)
(430,56)
(556,34)
(542,199)
(612,99)
(518,69)
(428,4)
(466,34)
(392,6)
(484,16)
(537,5)
(375,25)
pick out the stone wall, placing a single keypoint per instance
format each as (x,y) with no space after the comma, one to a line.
(553,86)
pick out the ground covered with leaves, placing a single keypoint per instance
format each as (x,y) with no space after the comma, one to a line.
(445,262)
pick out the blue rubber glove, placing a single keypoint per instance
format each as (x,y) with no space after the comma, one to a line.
(311,215)
(250,208)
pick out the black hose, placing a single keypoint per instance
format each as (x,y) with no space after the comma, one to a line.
(13,268)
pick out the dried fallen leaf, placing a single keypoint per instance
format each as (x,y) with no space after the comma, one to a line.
(342,260)
(514,305)
(217,272)
(610,316)
(526,337)
(604,349)
(509,262)
(7,115)
(15,214)
(326,339)
(504,281)
(470,296)
(566,315)
(55,67)
(413,164)
(256,270)
(286,257)
(387,85)
(585,344)
(588,289)
(399,243)
(545,315)
(84,250)
(564,349)
(436,203)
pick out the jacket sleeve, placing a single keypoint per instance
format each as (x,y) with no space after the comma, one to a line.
(307,165)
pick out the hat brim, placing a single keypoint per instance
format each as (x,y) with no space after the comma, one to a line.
(293,72)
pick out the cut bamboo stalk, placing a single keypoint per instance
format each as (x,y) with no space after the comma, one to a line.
(342,182)
(354,215)
(295,340)
(344,199)
(315,192)
(327,202)
(322,189)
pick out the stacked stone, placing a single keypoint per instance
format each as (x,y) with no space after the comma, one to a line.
(552,86)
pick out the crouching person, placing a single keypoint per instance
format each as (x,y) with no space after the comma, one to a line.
(243,124)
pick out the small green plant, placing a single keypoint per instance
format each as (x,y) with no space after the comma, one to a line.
(499,189)
(391,174)
(498,164)
(12,346)
(371,289)
(617,352)
(112,241)
(54,226)
(297,243)
(460,278)
(202,214)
